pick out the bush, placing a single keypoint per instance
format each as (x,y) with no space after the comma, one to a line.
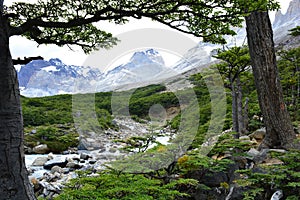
(114,186)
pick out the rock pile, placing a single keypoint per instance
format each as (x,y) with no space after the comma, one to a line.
(59,169)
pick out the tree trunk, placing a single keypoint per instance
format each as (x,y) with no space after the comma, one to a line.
(246,116)
(239,103)
(14,183)
(279,128)
(234,113)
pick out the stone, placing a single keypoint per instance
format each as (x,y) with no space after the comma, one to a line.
(73,165)
(278,150)
(75,158)
(84,156)
(262,156)
(92,162)
(41,149)
(244,138)
(50,156)
(40,161)
(56,168)
(277,195)
(50,189)
(102,149)
(112,150)
(253,152)
(259,134)
(272,161)
(70,160)
(82,144)
(35,183)
(58,160)
(28,150)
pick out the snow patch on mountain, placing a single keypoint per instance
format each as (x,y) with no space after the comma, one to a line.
(50,69)
(44,78)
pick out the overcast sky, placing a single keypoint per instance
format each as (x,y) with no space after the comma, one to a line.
(21,47)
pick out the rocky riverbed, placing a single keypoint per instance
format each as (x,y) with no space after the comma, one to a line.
(49,172)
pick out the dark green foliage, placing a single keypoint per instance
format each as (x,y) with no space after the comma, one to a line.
(57,137)
(58,110)
(47,110)
(234,61)
(112,186)
(195,161)
(295,31)
(289,68)
(140,106)
(103,100)
(285,177)
(203,96)
(227,143)
(147,91)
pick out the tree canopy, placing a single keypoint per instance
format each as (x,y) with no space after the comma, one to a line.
(295,31)
(72,22)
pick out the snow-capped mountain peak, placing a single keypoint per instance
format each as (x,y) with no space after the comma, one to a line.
(44,78)
(147,56)
(56,62)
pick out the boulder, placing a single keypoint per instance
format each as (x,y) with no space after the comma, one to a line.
(272,161)
(92,162)
(50,156)
(253,152)
(258,135)
(82,144)
(278,150)
(262,156)
(277,195)
(40,161)
(84,156)
(50,189)
(57,169)
(58,161)
(28,150)
(41,149)
(112,150)
(244,138)
(73,165)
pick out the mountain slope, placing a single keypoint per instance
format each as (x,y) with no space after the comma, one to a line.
(44,78)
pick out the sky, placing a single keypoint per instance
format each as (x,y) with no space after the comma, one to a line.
(21,47)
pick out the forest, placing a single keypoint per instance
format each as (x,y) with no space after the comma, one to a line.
(187,177)
(240,165)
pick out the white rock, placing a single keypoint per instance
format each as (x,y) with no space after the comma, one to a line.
(39,161)
(50,156)
(277,195)
(41,149)
(55,169)
(245,137)
(253,152)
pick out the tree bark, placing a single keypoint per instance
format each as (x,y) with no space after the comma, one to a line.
(14,182)
(234,113)
(239,103)
(246,116)
(276,118)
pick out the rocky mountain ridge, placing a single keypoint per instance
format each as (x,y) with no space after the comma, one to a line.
(44,78)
